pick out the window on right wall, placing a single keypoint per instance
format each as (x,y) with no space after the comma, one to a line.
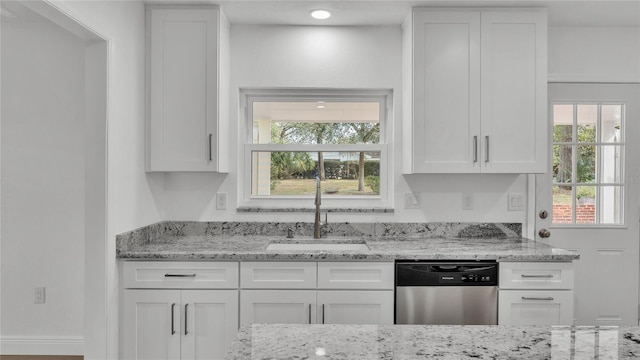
(588,163)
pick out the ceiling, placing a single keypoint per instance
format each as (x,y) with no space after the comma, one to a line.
(393,12)
(387,12)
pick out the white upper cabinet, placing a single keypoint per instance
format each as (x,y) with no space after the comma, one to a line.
(477,83)
(187,87)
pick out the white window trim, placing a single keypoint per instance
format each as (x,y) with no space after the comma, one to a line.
(381,201)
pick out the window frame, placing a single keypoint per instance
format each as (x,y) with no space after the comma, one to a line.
(598,185)
(382,200)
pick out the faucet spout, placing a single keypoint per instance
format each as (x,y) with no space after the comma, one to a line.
(316,223)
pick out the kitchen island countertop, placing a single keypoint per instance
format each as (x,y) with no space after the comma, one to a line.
(408,342)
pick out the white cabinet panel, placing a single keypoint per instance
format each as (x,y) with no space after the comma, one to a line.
(180,275)
(184,66)
(277,306)
(535,307)
(514,91)
(278,275)
(355,275)
(536,275)
(151,324)
(355,307)
(478,83)
(446,91)
(210,325)
(176,324)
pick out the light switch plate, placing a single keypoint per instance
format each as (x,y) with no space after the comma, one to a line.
(412,200)
(467,201)
(516,202)
(221,201)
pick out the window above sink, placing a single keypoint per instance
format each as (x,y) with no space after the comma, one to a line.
(293,136)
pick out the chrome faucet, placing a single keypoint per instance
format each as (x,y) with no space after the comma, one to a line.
(316,224)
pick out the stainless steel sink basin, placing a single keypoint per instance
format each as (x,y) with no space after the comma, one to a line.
(318,245)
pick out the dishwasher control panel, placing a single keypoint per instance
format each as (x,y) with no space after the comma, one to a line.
(413,273)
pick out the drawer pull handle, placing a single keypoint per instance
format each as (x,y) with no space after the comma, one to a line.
(179,275)
(475,149)
(309,313)
(186,316)
(323,313)
(173,308)
(546,276)
(538,298)
(486,155)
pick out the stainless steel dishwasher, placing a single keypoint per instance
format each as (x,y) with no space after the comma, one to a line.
(446,292)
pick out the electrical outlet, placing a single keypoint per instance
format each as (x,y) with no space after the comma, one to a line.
(39,295)
(412,200)
(516,202)
(467,201)
(221,201)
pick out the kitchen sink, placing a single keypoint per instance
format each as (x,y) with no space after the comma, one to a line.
(318,245)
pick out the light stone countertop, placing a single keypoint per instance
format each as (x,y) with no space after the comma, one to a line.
(247,248)
(412,342)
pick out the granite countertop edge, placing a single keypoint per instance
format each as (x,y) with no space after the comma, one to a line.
(253,248)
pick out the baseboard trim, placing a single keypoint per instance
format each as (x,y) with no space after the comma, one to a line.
(36,345)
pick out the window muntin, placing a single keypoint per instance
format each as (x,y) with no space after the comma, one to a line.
(295,136)
(588,163)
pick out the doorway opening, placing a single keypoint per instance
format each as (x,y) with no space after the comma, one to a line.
(53,215)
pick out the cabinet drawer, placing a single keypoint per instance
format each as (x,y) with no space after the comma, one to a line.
(355,275)
(535,307)
(278,275)
(536,275)
(180,275)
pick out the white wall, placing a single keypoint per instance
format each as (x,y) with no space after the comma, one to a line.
(596,54)
(131,192)
(42,181)
(133,198)
(333,57)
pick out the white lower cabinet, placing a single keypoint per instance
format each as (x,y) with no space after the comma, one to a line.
(355,307)
(535,307)
(277,306)
(536,293)
(179,324)
(178,310)
(310,293)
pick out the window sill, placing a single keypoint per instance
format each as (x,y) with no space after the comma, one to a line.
(248,209)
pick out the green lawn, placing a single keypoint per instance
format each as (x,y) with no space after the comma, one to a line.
(308,187)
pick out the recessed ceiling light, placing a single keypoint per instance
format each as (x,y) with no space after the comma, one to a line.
(320,14)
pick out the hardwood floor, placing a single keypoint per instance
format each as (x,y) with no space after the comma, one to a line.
(40,357)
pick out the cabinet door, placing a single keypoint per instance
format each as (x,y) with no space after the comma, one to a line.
(210,323)
(151,324)
(514,92)
(182,86)
(446,91)
(355,307)
(535,307)
(277,306)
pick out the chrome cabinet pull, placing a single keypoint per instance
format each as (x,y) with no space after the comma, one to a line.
(538,298)
(486,155)
(309,313)
(173,307)
(210,147)
(186,332)
(545,276)
(475,149)
(323,313)
(179,275)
